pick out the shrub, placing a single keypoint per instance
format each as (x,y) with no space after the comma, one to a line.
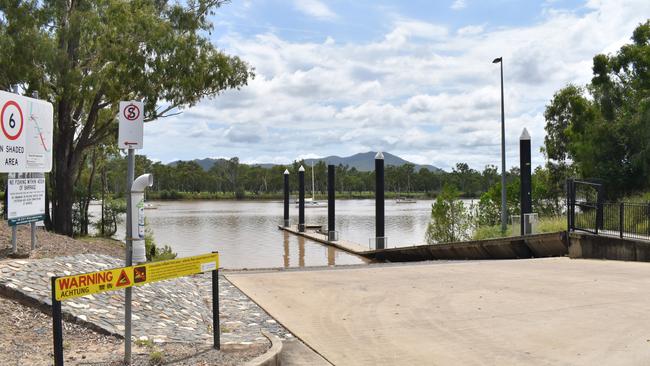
(152,251)
(450,219)
(156,358)
(113,211)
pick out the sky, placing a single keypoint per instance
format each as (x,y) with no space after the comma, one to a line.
(414,78)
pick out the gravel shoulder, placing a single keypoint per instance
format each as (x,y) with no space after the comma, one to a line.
(50,245)
(26,339)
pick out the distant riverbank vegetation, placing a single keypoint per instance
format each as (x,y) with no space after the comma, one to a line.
(232,180)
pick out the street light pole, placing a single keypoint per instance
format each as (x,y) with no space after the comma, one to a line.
(504,213)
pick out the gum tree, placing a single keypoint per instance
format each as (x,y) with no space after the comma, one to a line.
(85,56)
(602,130)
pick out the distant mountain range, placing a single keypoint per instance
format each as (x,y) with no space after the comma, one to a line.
(362,161)
(206,163)
(365,162)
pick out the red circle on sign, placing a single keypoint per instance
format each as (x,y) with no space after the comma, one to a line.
(137,110)
(2,122)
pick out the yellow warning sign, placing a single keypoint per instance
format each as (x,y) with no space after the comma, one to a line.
(69,287)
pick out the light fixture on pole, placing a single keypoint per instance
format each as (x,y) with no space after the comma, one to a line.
(504,214)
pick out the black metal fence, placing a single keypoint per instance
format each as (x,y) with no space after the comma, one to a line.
(583,202)
(627,220)
(586,211)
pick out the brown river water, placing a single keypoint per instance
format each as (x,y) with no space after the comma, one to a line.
(246,232)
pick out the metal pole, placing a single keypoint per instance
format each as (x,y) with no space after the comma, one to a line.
(621,214)
(599,209)
(216,327)
(286,198)
(128,293)
(103,196)
(14,246)
(331,212)
(379,201)
(573,205)
(57,326)
(301,199)
(568,205)
(504,212)
(526,181)
(33,226)
(5,212)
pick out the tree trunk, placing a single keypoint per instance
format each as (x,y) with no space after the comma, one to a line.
(67,163)
(62,207)
(48,216)
(103,197)
(89,192)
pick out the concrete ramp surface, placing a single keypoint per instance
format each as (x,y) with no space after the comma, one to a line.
(554,311)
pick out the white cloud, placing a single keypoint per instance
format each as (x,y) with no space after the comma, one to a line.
(421,90)
(315,9)
(458,5)
(470,30)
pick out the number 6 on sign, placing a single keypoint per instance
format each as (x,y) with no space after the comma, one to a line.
(12,120)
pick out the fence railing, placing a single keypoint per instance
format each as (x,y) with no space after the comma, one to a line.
(623,219)
(627,220)
(584,205)
(587,212)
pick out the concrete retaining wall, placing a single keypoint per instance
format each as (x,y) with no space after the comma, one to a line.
(585,245)
(540,245)
(576,245)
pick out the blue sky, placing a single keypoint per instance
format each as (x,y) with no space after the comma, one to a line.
(414,78)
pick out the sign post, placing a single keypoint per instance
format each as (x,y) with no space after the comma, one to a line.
(130,172)
(130,136)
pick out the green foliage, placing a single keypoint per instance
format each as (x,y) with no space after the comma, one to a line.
(551,224)
(153,252)
(489,210)
(156,358)
(113,211)
(548,191)
(490,202)
(489,232)
(638,198)
(144,342)
(229,179)
(602,130)
(450,219)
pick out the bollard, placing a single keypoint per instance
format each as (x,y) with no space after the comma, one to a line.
(525,192)
(380,239)
(216,323)
(331,218)
(301,199)
(57,326)
(286,198)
